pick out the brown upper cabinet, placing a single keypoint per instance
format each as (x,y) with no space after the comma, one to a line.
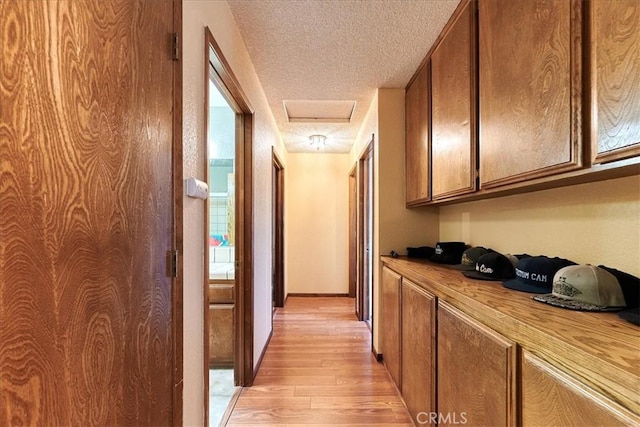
(418,138)
(453,126)
(529,89)
(615,79)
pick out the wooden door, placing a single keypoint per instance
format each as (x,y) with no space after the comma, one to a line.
(615,80)
(86,213)
(453,141)
(418,349)
(418,137)
(476,371)
(390,282)
(530,89)
(551,397)
(353,233)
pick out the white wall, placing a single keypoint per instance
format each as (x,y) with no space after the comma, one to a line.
(317,223)
(197,14)
(395,227)
(596,223)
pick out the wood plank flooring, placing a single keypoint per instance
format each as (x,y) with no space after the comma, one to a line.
(319,370)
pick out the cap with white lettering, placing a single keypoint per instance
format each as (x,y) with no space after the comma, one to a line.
(585,287)
(448,252)
(470,258)
(535,274)
(492,266)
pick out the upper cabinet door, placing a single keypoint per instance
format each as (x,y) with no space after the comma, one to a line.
(453,143)
(615,79)
(530,87)
(418,115)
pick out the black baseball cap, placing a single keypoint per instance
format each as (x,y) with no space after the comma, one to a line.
(470,258)
(535,274)
(492,266)
(631,315)
(629,284)
(420,252)
(449,252)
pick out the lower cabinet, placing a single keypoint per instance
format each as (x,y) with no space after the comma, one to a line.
(452,368)
(418,350)
(476,372)
(551,397)
(390,326)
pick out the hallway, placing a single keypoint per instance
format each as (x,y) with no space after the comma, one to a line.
(318,370)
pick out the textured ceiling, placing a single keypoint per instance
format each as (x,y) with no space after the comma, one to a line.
(335,50)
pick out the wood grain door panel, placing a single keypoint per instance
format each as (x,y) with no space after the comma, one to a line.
(87,213)
(551,397)
(615,80)
(418,349)
(530,89)
(221,334)
(418,134)
(390,323)
(453,77)
(476,371)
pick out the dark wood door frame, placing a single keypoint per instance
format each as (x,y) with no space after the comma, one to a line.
(177,314)
(218,70)
(278,213)
(364,250)
(353,231)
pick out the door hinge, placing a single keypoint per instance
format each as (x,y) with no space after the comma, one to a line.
(176,47)
(172,263)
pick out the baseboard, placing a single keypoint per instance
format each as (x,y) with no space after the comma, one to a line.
(317,295)
(377,355)
(264,350)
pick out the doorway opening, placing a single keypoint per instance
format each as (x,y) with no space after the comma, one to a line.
(278,231)
(222,251)
(228,285)
(364,293)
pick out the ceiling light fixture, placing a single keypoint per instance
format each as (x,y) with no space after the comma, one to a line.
(318,140)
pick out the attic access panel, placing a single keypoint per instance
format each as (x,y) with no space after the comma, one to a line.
(314,111)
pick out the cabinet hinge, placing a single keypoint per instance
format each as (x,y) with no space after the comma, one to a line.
(172,263)
(176,47)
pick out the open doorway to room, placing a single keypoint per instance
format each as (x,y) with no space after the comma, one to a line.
(228,287)
(278,231)
(364,293)
(222,251)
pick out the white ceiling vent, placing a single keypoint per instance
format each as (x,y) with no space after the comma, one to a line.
(307,111)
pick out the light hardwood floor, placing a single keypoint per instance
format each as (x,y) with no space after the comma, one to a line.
(319,370)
